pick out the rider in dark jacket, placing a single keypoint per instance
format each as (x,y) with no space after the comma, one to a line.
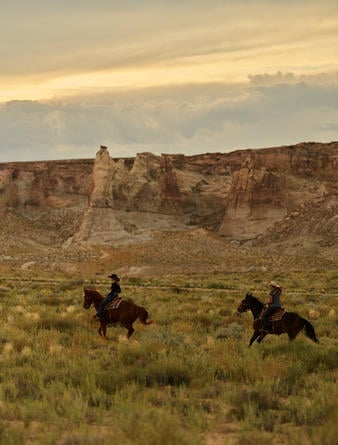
(114,291)
(274,303)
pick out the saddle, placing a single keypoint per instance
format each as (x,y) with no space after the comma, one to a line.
(278,315)
(114,304)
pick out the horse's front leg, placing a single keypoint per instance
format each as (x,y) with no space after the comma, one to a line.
(253,338)
(103,330)
(261,337)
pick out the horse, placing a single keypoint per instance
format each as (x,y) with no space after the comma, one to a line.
(291,323)
(126,313)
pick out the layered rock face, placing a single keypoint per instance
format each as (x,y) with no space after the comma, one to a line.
(54,184)
(54,192)
(239,195)
(271,183)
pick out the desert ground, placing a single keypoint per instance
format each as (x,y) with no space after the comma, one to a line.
(190,377)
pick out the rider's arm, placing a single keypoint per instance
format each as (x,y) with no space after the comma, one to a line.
(270,299)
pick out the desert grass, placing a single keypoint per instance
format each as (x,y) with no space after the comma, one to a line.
(189,378)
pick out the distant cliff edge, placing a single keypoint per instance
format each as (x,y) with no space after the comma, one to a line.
(245,194)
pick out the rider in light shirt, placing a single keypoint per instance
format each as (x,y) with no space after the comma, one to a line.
(274,303)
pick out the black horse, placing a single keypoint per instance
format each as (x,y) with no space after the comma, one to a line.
(291,323)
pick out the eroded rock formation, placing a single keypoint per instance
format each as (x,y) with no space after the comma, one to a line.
(242,194)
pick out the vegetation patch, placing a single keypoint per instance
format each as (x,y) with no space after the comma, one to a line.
(189,378)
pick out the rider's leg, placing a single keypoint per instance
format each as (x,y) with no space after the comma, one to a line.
(103,304)
(267,315)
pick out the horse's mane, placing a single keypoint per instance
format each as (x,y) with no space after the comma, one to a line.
(90,290)
(252,298)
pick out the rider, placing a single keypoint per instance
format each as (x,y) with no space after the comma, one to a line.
(114,291)
(273,303)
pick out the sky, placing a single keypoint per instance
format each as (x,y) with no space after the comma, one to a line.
(178,76)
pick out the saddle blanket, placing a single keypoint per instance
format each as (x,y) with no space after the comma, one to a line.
(278,315)
(114,304)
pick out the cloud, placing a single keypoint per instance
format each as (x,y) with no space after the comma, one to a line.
(67,38)
(269,111)
(289,78)
(184,76)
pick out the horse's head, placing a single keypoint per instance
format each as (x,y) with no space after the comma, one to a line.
(246,304)
(88,298)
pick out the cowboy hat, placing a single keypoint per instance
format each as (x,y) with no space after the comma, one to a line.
(274,284)
(114,277)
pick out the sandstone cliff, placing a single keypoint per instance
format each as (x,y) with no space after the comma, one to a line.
(31,186)
(53,192)
(242,195)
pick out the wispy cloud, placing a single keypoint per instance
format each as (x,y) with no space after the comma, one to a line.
(79,37)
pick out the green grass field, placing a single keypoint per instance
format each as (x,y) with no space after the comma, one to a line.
(189,378)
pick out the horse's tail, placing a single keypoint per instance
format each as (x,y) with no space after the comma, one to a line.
(310,331)
(143,316)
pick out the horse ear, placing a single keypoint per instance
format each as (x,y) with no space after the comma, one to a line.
(249,294)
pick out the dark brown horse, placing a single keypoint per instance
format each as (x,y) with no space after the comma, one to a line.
(291,323)
(126,314)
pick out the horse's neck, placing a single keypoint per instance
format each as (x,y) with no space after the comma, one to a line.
(256,309)
(97,300)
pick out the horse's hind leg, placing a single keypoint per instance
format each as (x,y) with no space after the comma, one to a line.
(130,328)
(292,335)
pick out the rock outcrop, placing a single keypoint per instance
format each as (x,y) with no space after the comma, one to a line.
(242,194)
(52,193)
(271,183)
(31,187)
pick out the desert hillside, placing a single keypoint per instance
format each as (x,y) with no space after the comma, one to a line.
(171,213)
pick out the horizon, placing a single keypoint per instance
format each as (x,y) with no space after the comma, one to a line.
(171,154)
